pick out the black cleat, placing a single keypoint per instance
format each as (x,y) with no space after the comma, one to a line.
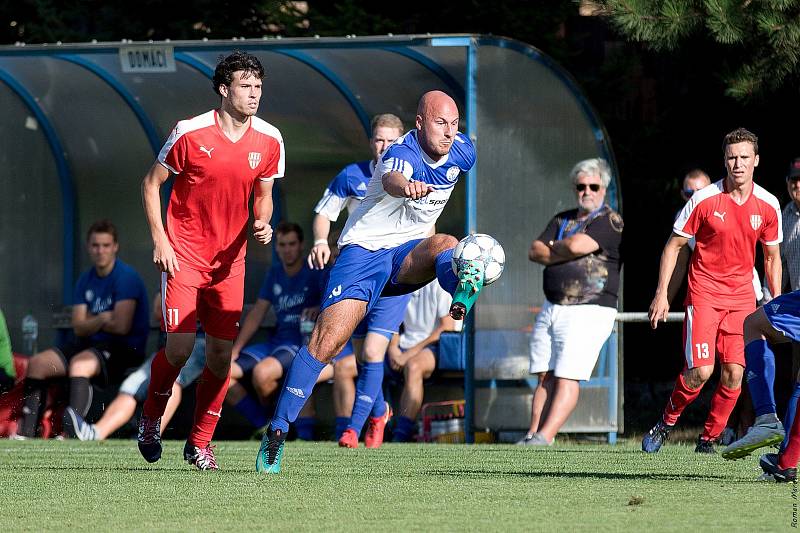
(149,438)
(704,446)
(769,464)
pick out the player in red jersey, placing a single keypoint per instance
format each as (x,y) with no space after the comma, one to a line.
(219,158)
(726,219)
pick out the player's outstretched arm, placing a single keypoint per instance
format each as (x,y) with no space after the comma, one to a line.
(163,255)
(262,209)
(397,185)
(320,252)
(659,307)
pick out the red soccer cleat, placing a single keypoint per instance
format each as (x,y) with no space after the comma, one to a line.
(349,439)
(375,427)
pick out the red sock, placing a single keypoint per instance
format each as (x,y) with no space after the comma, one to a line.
(162,377)
(790,456)
(722,404)
(209,395)
(680,398)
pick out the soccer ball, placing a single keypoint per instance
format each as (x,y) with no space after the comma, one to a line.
(483,247)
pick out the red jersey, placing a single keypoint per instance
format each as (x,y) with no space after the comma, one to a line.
(721,270)
(208,215)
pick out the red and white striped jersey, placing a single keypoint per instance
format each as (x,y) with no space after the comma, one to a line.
(208,215)
(721,270)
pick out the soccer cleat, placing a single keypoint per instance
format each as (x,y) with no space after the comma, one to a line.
(470,283)
(76,427)
(704,446)
(202,458)
(149,438)
(727,437)
(652,442)
(270,453)
(755,438)
(349,439)
(769,464)
(534,439)
(375,427)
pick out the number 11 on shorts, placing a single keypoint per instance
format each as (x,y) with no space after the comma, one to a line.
(702,349)
(172,318)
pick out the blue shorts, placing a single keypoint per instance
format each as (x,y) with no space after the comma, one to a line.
(136,384)
(784,314)
(384,318)
(251,355)
(366,275)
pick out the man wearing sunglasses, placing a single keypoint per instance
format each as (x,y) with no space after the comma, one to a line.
(580,250)
(726,219)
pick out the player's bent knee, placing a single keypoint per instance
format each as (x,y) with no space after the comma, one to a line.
(696,377)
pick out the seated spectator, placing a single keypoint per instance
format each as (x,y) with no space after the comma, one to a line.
(110,322)
(414,353)
(7,372)
(134,390)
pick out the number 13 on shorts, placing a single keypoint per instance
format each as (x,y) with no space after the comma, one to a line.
(710,334)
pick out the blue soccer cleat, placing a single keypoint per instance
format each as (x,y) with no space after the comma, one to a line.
(654,438)
(470,282)
(270,453)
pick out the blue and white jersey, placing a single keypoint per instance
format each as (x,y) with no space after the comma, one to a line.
(347,189)
(289,295)
(383,221)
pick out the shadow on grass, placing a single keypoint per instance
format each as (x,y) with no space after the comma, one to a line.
(585,475)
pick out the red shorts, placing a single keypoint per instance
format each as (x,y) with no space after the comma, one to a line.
(213,298)
(708,331)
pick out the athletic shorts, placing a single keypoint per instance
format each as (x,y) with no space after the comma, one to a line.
(567,339)
(784,314)
(366,275)
(115,359)
(212,298)
(136,384)
(710,333)
(384,318)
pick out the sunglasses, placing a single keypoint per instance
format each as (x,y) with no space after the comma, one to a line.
(688,192)
(580,187)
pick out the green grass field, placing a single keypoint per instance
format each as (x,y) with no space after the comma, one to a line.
(57,485)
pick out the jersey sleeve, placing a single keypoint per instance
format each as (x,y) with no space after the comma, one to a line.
(689,219)
(335,197)
(174,152)
(398,158)
(606,231)
(276,161)
(550,232)
(772,233)
(466,152)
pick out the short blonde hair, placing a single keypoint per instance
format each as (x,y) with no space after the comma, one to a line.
(386,120)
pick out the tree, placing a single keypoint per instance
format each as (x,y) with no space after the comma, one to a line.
(761,38)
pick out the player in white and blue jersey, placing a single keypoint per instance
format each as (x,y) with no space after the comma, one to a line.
(385,251)
(371,338)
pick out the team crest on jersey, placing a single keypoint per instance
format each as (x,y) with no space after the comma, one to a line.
(452,173)
(755,221)
(276,289)
(89,295)
(254,158)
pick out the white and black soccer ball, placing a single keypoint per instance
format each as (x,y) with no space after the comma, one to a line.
(485,248)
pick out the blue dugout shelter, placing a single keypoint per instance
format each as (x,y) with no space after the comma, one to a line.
(83,122)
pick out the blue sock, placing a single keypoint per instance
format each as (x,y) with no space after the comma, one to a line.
(341,424)
(297,387)
(791,412)
(444,271)
(403,429)
(379,405)
(252,411)
(304,426)
(760,372)
(368,386)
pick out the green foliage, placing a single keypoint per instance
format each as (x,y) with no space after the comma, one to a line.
(763,35)
(106,486)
